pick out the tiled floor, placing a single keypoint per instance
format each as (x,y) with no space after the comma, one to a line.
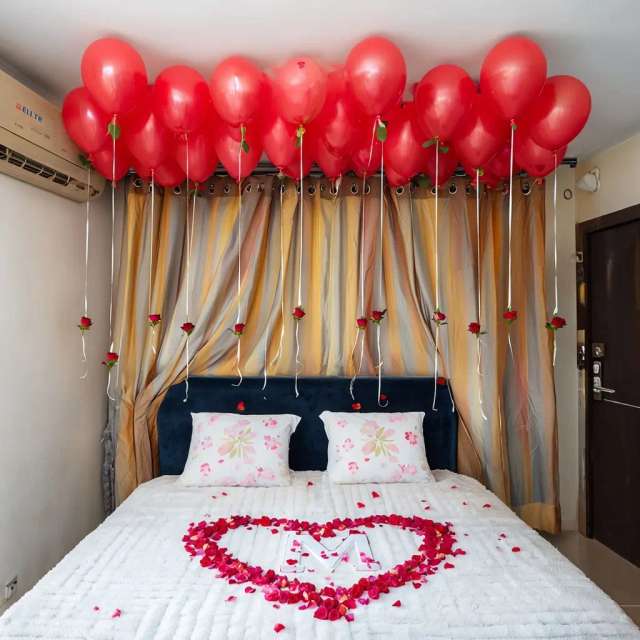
(613,574)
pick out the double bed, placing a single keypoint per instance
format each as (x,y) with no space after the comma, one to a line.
(134,577)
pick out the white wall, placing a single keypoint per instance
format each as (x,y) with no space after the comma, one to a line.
(619,182)
(50,420)
(566,371)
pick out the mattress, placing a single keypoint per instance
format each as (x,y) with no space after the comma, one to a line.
(132,578)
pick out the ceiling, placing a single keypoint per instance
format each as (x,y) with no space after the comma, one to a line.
(595,41)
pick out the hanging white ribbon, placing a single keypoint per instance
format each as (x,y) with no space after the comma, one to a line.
(239,275)
(151,232)
(113,224)
(437,274)
(360,332)
(511,151)
(301,239)
(381,403)
(479,287)
(555,250)
(188,274)
(85,367)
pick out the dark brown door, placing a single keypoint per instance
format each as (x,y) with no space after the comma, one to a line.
(613,436)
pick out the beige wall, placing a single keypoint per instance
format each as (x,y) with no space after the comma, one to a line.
(566,371)
(619,180)
(50,420)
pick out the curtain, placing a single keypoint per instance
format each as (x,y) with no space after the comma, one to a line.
(507,432)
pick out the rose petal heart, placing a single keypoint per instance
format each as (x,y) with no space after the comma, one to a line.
(205,540)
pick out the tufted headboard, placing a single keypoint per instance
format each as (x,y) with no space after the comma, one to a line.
(308,449)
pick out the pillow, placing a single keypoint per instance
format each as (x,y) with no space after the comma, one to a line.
(376,447)
(229,449)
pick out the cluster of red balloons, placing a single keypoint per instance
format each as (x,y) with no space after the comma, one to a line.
(182,124)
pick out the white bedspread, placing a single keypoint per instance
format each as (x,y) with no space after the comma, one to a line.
(135,563)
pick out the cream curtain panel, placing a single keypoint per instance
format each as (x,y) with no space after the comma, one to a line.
(513,450)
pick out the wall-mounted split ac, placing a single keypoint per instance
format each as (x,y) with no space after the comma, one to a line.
(34,146)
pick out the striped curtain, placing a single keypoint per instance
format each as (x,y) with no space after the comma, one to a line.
(508,436)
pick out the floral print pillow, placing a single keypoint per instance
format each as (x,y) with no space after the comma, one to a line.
(376,447)
(229,449)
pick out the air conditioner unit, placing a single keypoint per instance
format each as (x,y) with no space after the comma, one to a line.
(34,146)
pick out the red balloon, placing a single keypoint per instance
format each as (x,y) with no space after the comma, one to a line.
(181,99)
(102,160)
(148,140)
(337,121)
(278,139)
(443,97)
(115,75)
(376,75)
(85,123)
(534,159)
(202,154)
(293,168)
(447,164)
(299,90)
(512,75)
(499,165)
(403,151)
(394,179)
(169,174)
(228,148)
(560,112)
(480,135)
(141,170)
(332,165)
(366,157)
(238,90)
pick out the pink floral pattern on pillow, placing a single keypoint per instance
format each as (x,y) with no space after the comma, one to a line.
(376,447)
(228,449)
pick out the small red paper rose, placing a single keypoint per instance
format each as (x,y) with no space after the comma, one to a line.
(510,315)
(356,406)
(111,359)
(154,319)
(441,381)
(240,406)
(439,317)
(474,327)
(397,603)
(299,313)
(278,627)
(515,549)
(557,322)
(188,327)
(383,397)
(361,323)
(85,323)
(377,316)
(238,328)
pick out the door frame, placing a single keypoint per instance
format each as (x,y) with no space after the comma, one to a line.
(583,278)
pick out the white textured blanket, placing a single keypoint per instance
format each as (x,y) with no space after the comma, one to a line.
(132,579)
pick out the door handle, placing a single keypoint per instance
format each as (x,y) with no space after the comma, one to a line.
(599,389)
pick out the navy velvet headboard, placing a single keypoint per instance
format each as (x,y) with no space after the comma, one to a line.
(308,448)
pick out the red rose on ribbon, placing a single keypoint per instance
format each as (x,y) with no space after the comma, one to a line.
(377,316)
(240,406)
(85,323)
(474,327)
(362,323)
(154,319)
(111,359)
(188,327)
(510,315)
(356,406)
(439,317)
(298,313)
(557,322)
(238,328)
(441,381)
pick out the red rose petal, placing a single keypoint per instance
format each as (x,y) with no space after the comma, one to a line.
(96,608)
(486,505)
(309,483)
(448,565)
(230,599)
(291,562)
(360,505)
(515,549)
(375,494)
(117,613)
(278,627)
(397,603)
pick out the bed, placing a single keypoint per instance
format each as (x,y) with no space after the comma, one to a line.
(133,578)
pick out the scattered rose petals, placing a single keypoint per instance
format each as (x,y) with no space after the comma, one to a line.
(249,590)
(360,505)
(356,406)
(486,505)
(515,549)
(375,494)
(309,483)
(397,603)
(230,599)
(96,608)
(448,565)
(117,613)
(278,627)
(503,535)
